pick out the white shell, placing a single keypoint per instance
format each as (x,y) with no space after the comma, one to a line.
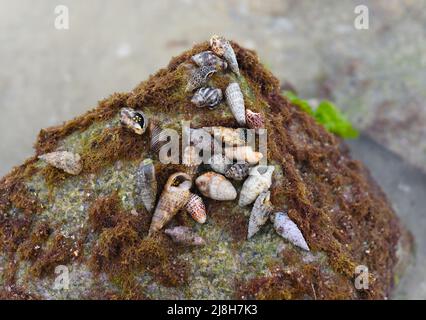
(235,100)
(259,180)
(231,136)
(262,208)
(289,230)
(243,154)
(216,186)
(219,163)
(64,160)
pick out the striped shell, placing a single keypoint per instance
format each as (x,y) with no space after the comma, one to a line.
(155,136)
(289,230)
(230,136)
(196,208)
(146,184)
(208,58)
(223,48)
(238,171)
(184,235)
(199,77)
(235,100)
(216,186)
(243,154)
(134,120)
(259,180)
(207,97)
(219,163)
(254,120)
(260,213)
(174,196)
(64,160)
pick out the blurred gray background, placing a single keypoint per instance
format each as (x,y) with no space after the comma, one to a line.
(377,75)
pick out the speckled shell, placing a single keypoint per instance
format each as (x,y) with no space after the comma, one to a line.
(207,97)
(134,120)
(230,136)
(172,199)
(219,163)
(196,208)
(208,58)
(260,212)
(243,154)
(259,180)
(235,100)
(238,171)
(146,184)
(64,160)
(191,159)
(184,235)
(254,120)
(199,77)
(289,230)
(216,186)
(223,48)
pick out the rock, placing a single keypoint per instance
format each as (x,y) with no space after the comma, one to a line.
(96,241)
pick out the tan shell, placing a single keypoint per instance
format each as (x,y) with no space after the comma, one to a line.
(259,180)
(199,77)
(243,154)
(175,195)
(219,163)
(146,184)
(231,136)
(262,208)
(223,48)
(184,235)
(64,160)
(235,100)
(289,230)
(216,186)
(196,208)
(191,159)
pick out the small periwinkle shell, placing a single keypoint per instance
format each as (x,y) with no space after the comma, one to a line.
(254,120)
(134,120)
(216,186)
(199,77)
(196,208)
(238,171)
(223,48)
(235,100)
(208,58)
(207,97)
(191,159)
(259,180)
(289,230)
(146,184)
(184,235)
(64,160)
(260,212)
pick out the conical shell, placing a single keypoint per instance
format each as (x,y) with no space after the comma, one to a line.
(223,48)
(134,120)
(155,133)
(259,180)
(262,208)
(238,171)
(289,230)
(207,97)
(243,154)
(215,186)
(64,160)
(208,58)
(219,163)
(184,235)
(231,136)
(191,159)
(235,100)
(199,77)
(196,208)
(146,184)
(254,120)
(174,196)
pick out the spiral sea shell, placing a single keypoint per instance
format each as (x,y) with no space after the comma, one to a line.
(262,208)
(184,235)
(191,159)
(230,136)
(238,171)
(146,184)
(289,230)
(216,186)
(196,208)
(174,196)
(243,154)
(259,180)
(207,97)
(199,77)
(254,120)
(235,100)
(223,48)
(134,120)
(208,58)
(219,163)
(64,160)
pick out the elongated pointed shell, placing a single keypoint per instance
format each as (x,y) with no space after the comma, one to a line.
(196,208)
(207,97)
(134,120)
(215,186)
(231,136)
(174,196)
(238,171)
(254,120)
(208,58)
(223,48)
(262,208)
(199,77)
(219,163)
(235,100)
(289,230)
(259,180)
(146,184)
(243,154)
(64,160)
(184,235)
(191,159)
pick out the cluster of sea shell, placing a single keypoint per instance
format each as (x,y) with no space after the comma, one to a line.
(239,162)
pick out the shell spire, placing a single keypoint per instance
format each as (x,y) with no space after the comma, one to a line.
(259,180)
(191,159)
(174,196)
(64,160)
(146,184)
(223,48)
(184,235)
(196,208)
(134,120)
(235,100)
(289,230)
(216,186)
(262,208)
